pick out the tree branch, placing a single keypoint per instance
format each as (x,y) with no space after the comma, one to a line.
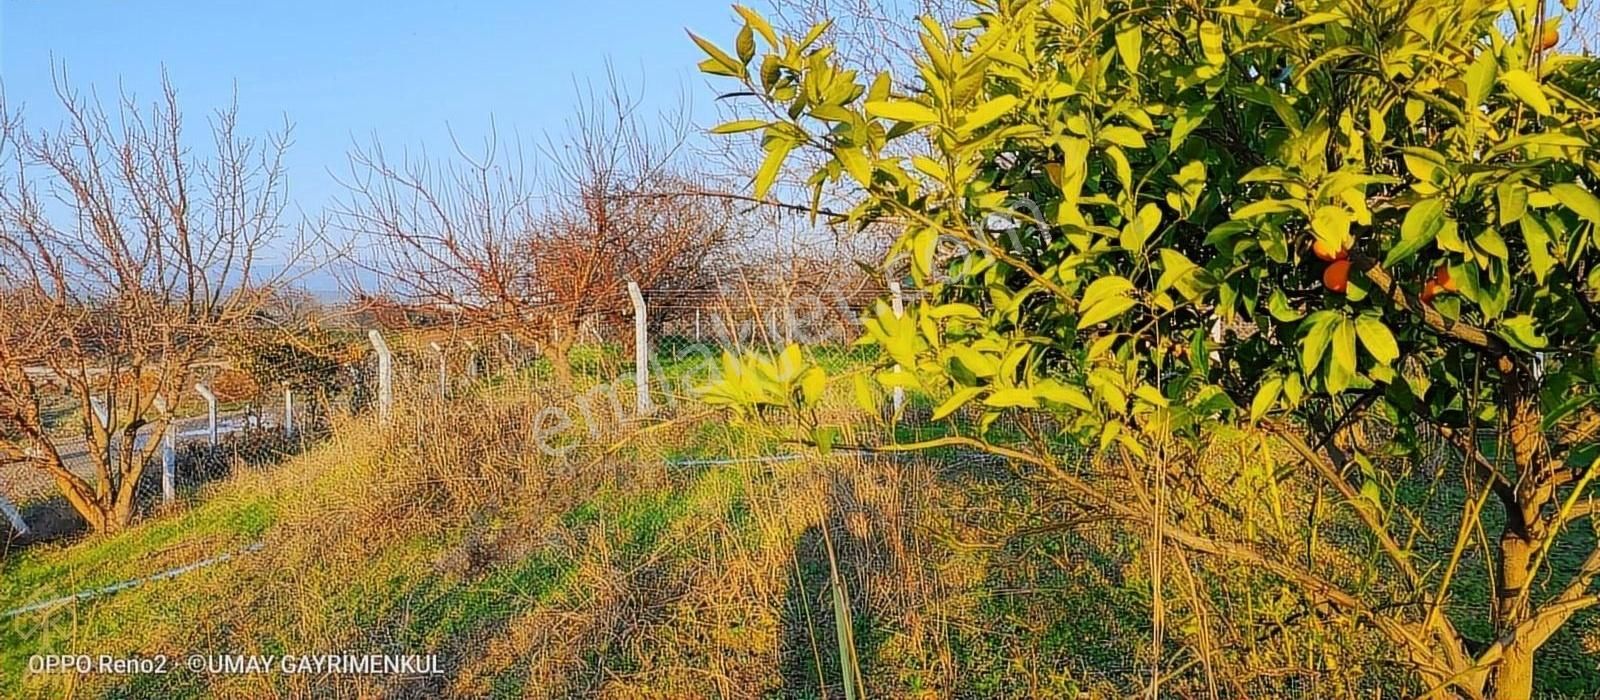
(1431,318)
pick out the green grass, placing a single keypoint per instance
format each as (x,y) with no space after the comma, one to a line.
(1563,667)
(662,565)
(226,522)
(453,609)
(219,522)
(390,590)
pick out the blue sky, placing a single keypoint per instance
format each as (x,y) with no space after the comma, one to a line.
(400,71)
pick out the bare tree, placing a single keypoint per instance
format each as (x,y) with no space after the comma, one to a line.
(125,260)
(869,36)
(540,256)
(874,35)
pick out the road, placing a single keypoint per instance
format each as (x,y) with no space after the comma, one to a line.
(22,483)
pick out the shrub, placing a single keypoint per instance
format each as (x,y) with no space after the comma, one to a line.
(1147,219)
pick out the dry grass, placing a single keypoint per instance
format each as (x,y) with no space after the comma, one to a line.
(630,568)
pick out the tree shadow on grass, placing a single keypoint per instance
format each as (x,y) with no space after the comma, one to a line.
(808,636)
(48,520)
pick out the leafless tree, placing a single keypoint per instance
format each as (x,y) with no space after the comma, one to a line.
(876,35)
(873,36)
(127,255)
(538,256)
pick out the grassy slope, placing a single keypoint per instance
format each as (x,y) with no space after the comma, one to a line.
(640,573)
(678,566)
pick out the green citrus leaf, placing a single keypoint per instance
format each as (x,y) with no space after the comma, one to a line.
(1104,311)
(1377,339)
(1573,196)
(1129,43)
(987,112)
(768,173)
(1332,226)
(1015,397)
(737,126)
(1526,88)
(956,401)
(1521,332)
(902,111)
(754,19)
(728,64)
(1124,136)
(1420,227)
(855,163)
(1266,397)
(1319,332)
(1211,43)
(1055,392)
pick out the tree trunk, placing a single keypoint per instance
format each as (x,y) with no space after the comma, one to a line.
(86,505)
(1513,676)
(84,498)
(122,510)
(121,516)
(105,506)
(561,357)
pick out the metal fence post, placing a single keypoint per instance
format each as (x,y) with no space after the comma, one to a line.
(385,374)
(13,516)
(211,411)
(641,349)
(444,377)
(898,304)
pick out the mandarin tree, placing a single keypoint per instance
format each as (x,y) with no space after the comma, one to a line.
(1155,218)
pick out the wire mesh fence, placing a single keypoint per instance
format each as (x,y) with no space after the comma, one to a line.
(265,403)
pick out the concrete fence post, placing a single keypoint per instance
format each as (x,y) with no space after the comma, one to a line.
(898,304)
(100,412)
(641,349)
(385,374)
(13,516)
(103,417)
(444,376)
(288,411)
(211,411)
(697,335)
(511,349)
(169,464)
(169,454)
